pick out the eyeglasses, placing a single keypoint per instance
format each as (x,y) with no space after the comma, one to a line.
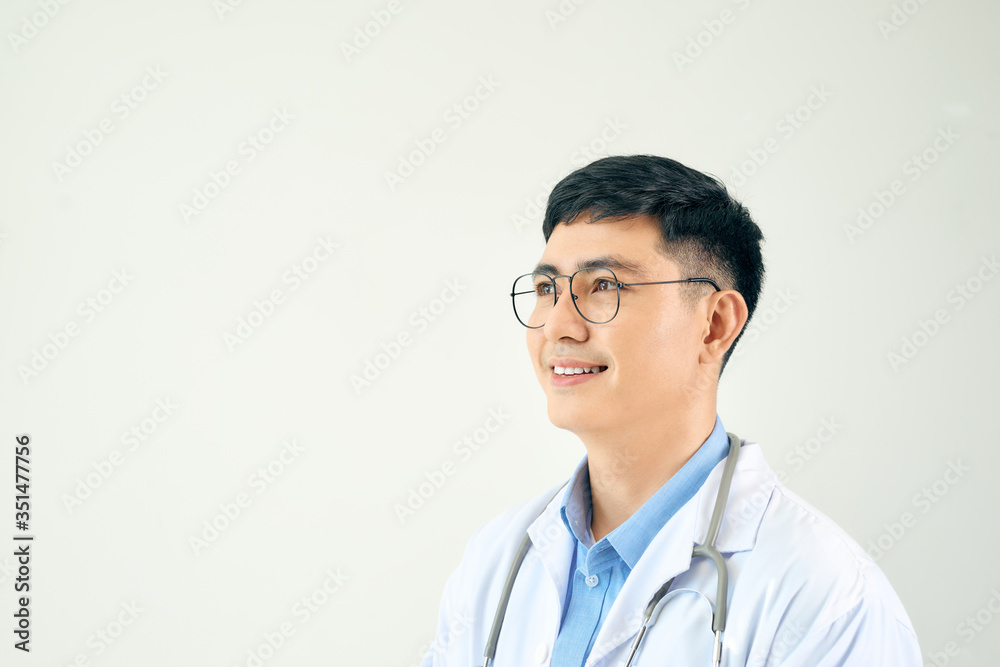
(597,296)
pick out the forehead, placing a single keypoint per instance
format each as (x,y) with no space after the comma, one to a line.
(627,246)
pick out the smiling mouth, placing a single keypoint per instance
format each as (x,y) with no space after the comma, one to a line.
(562,371)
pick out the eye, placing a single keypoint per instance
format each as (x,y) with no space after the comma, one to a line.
(543,289)
(604,285)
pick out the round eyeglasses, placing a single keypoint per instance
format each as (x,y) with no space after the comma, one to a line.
(596,295)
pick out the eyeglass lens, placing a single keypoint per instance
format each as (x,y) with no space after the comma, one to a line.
(595,291)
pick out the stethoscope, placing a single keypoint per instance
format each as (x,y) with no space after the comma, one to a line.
(651,613)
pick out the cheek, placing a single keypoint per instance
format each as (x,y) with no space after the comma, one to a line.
(651,356)
(534,340)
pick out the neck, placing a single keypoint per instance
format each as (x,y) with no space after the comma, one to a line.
(627,466)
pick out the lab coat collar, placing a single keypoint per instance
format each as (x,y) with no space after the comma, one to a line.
(667,556)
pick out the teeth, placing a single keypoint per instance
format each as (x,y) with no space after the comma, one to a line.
(563,370)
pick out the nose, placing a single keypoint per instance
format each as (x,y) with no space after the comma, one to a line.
(564,321)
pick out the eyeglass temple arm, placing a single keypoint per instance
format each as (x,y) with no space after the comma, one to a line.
(686,280)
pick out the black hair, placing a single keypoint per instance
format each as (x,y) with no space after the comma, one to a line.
(702,228)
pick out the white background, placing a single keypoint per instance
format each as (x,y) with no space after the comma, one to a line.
(849,296)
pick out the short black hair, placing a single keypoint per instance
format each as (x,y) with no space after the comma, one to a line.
(702,228)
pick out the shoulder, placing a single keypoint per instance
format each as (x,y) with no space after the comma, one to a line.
(474,584)
(814,541)
(819,575)
(505,531)
(491,547)
(786,535)
(474,587)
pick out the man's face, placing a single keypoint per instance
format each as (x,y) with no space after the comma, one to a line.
(648,352)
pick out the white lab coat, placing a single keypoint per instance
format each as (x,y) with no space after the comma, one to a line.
(802,592)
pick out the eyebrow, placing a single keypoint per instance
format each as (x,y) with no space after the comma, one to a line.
(612,262)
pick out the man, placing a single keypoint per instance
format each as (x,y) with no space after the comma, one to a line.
(666,270)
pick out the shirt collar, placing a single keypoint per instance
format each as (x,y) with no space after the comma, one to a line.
(577,505)
(631,538)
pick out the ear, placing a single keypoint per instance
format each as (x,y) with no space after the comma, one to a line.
(725,316)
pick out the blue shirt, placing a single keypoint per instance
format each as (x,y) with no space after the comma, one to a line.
(598,571)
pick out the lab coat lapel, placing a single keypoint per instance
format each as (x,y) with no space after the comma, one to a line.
(553,544)
(669,553)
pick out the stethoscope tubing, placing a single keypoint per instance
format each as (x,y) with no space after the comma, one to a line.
(706,550)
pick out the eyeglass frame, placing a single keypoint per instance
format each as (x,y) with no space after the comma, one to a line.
(618,286)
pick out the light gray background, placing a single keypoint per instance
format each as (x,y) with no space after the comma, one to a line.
(836,304)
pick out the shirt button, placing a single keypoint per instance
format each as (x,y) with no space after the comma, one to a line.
(541,653)
(592,580)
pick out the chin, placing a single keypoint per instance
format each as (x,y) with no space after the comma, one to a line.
(570,418)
